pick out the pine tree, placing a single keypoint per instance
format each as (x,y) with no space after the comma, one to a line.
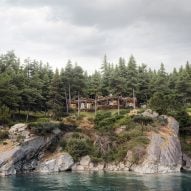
(56,97)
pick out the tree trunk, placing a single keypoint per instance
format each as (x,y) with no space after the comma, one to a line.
(118,106)
(78,104)
(66,103)
(27,117)
(69,94)
(95,106)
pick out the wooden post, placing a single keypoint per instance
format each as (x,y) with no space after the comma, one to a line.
(66,103)
(133,98)
(69,94)
(95,106)
(118,106)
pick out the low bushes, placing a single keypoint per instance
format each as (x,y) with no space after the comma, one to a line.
(48,127)
(135,132)
(77,145)
(104,121)
(186,144)
(78,148)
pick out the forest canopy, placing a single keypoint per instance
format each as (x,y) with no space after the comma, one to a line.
(34,86)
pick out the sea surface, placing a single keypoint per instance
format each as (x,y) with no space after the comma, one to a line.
(100,181)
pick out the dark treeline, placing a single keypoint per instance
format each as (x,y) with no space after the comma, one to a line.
(34,86)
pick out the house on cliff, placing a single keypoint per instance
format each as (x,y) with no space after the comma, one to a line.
(108,102)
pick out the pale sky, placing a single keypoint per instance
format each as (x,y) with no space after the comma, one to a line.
(54,31)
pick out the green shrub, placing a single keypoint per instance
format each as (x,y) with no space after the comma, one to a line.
(104,121)
(100,116)
(183,118)
(124,121)
(123,137)
(78,148)
(47,128)
(96,160)
(106,124)
(124,111)
(143,120)
(186,148)
(116,154)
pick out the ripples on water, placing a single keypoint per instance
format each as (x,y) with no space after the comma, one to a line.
(89,181)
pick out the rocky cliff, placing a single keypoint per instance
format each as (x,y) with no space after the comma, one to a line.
(27,153)
(164,151)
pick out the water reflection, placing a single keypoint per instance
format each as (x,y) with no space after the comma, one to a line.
(92,181)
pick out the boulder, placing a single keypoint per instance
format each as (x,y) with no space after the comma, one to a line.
(18,132)
(111,167)
(85,164)
(150,113)
(59,163)
(85,161)
(17,128)
(120,129)
(21,158)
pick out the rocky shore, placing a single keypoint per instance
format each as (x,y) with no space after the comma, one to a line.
(163,154)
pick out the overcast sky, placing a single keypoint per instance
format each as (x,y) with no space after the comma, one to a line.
(154,31)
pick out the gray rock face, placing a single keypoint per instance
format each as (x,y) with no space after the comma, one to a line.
(19,131)
(85,161)
(61,163)
(85,164)
(23,158)
(164,152)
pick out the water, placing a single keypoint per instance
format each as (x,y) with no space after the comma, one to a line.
(84,181)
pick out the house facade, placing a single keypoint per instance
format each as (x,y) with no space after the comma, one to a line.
(109,102)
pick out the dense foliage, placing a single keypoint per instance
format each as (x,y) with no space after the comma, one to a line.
(34,86)
(45,128)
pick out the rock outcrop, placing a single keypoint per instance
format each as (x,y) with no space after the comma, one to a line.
(59,163)
(164,153)
(150,113)
(85,164)
(23,157)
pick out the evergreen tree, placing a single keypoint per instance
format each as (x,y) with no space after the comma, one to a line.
(56,97)
(132,77)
